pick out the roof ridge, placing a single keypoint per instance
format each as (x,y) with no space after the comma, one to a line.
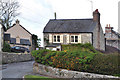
(74,19)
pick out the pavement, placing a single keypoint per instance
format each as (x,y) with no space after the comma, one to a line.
(17,70)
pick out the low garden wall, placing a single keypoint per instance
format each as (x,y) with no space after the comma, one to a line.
(63,73)
(15,57)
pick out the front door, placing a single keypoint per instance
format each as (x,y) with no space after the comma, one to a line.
(65,39)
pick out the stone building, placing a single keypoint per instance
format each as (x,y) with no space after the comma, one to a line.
(19,36)
(73,31)
(2,30)
(112,37)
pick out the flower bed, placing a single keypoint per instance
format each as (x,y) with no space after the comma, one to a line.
(79,57)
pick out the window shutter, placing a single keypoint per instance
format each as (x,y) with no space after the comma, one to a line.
(61,38)
(50,38)
(79,38)
(68,39)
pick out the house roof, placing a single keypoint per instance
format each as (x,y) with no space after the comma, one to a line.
(69,26)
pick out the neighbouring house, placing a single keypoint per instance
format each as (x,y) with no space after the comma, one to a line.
(112,37)
(17,35)
(2,30)
(73,31)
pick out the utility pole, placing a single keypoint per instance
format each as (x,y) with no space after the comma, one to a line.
(91,6)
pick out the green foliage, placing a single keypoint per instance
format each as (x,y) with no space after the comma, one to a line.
(105,64)
(6,47)
(35,41)
(79,57)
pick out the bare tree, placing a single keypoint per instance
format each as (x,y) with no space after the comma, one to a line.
(8,11)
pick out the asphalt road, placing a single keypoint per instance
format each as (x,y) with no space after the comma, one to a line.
(17,70)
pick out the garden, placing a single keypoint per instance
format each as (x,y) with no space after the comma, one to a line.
(79,57)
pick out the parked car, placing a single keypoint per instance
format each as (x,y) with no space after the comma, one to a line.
(19,49)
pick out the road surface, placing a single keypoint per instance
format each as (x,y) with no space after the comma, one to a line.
(17,70)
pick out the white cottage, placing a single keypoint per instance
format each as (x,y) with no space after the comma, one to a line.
(73,31)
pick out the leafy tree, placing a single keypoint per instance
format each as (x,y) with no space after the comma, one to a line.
(36,42)
(8,11)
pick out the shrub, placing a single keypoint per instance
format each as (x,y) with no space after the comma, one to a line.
(105,64)
(6,47)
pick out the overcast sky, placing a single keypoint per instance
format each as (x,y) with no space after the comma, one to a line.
(34,14)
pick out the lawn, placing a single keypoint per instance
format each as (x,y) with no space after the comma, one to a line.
(34,77)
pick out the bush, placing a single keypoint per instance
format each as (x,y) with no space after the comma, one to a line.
(105,64)
(6,47)
(76,58)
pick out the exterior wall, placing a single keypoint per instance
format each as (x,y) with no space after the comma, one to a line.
(18,31)
(15,57)
(112,38)
(63,73)
(101,39)
(82,38)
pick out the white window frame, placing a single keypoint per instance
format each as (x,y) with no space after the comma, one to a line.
(56,39)
(74,38)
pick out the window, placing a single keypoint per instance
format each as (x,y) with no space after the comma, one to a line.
(54,38)
(57,38)
(74,38)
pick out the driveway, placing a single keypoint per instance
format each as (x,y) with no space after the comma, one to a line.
(17,70)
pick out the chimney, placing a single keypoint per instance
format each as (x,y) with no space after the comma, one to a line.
(108,29)
(17,21)
(55,15)
(96,16)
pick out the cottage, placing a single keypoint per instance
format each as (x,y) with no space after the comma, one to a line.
(112,37)
(17,35)
(2,29)
(73,31)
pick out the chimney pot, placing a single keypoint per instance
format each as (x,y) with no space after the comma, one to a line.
(17,21)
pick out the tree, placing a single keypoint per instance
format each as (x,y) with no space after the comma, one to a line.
(35,41)
(8,11)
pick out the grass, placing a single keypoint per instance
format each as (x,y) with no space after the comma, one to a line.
(34,77)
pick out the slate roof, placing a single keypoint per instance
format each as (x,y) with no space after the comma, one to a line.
(69,26)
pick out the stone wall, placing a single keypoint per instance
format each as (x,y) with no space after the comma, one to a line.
(63,73)
(15,57)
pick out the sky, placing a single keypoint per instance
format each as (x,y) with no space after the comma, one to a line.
(35,14)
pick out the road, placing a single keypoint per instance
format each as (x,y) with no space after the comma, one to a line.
(17,70)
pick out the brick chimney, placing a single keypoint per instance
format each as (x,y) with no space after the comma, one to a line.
(96,16)
(108,29)
(17,21)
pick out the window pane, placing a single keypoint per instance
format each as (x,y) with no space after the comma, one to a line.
(54,38)
(58,38)
(76,38)
(72,38)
